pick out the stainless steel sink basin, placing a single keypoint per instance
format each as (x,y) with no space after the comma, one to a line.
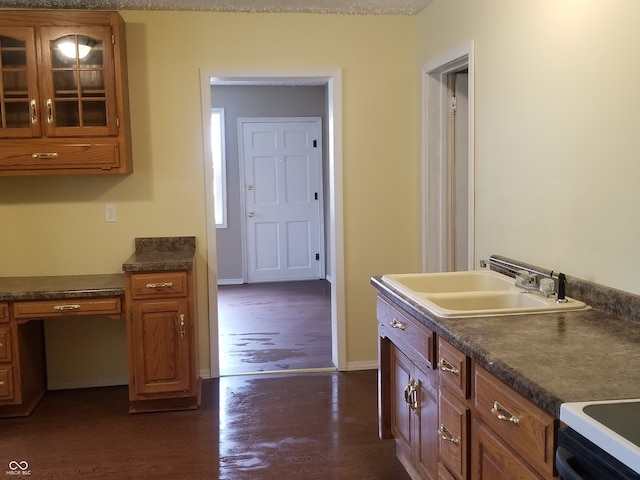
(474,293)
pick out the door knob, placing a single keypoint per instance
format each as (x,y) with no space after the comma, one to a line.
(251,214)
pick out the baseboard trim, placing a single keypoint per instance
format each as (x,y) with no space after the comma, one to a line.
(230,281)
(87,383)
(366,365)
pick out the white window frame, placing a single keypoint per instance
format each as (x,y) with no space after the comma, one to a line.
(219,167)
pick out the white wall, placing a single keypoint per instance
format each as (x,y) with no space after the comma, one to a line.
(557,118)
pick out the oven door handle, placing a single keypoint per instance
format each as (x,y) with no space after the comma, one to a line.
(563,464)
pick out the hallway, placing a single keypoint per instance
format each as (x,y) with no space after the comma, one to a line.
(274,327)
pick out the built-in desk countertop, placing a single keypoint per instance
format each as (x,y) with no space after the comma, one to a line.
(61,287)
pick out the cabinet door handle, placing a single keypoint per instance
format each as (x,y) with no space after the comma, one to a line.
(446,435)
(160,285)
(63,308)
(448,367)
(399,325)
(182,329)
(49,111)
(34,112)
(503,414)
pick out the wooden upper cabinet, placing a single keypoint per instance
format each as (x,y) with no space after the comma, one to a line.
(63,93)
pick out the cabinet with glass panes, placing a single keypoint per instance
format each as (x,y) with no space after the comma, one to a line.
(63,93)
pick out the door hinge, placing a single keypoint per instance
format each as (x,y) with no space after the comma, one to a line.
(316,196)
(454,105)
(317,256)
(315,144)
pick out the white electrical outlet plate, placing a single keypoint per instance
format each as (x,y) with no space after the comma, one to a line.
(109,213)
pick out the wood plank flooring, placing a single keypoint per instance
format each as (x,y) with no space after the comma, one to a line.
(274,327)
(263,427)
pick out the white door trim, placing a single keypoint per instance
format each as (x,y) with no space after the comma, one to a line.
(318,122)
(332,79)
(435,154)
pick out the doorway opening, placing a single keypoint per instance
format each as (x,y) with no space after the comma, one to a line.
(334,282)
(448,178)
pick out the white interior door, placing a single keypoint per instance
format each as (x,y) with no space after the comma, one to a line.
(282,198)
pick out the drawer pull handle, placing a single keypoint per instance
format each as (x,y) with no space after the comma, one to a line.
(503,414)
(396,324)
(160,285)
(447,436)
(448,367)
(45,156)
(63,308)
(1,383)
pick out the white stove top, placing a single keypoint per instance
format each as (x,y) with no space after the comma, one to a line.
(611,442)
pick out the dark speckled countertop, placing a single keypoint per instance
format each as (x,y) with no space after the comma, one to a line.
(60,287)
(151,254)
(550,358)
(161,253)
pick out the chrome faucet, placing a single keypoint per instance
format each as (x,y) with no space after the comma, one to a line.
(546,285)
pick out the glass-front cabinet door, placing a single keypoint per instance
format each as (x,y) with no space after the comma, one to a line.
(77,82)
(19,109)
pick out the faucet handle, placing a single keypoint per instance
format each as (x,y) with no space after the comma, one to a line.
(547,286)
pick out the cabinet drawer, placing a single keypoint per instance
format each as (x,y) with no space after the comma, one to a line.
(40,155)
(406,332)
(5,344)
(4,313)
(6,382)
(70,307)
(149,285)
(455,368)
(454,435)
(526,428)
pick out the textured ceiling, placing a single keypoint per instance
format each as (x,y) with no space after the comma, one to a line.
(371,7)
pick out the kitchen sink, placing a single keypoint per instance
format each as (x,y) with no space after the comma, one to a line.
(474,293)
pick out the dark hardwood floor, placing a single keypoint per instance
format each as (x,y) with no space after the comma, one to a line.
(264,427)
(274,327)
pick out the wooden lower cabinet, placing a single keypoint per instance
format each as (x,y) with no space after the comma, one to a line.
(494,460)
(414,417)
(451,419)
(161,342)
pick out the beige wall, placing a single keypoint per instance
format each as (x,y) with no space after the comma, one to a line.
(56,225)
(556,125)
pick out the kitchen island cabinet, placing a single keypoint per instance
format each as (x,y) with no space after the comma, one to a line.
(64,95)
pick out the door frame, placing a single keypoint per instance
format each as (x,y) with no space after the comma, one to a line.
(332,80)
(243,229)
(437,144)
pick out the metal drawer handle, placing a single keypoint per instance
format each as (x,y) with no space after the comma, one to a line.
(446,435)
(62,308)
(45,155)
(503,414)
(1,383)
(396,324)
(448,367)
(160,285)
